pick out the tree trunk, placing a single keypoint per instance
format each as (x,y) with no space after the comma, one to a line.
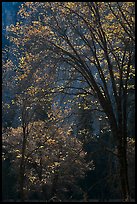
(122,147)
(22,184)
(54,184)
(123,170)
(22,166)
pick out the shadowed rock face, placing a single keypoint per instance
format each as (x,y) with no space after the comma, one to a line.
(9,16)
(9,12)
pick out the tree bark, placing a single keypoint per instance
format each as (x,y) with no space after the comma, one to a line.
(54,184)
(123,169)
(22,166)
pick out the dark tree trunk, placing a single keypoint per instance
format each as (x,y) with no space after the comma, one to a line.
(123,169)
(54,185)
(122,146)
(22,166)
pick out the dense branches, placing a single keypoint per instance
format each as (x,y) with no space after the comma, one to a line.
(91,40)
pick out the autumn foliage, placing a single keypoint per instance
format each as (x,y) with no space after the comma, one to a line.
(68,59)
